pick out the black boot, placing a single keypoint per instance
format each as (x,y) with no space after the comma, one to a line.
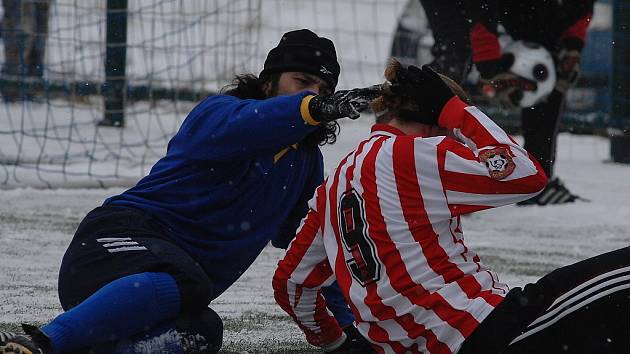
(33,341)
(202,333)
(5,337)
(554,193)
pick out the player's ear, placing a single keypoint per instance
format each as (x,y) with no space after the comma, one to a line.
(267,88)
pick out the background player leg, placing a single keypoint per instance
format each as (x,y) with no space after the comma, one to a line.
(540,131)
(451,51)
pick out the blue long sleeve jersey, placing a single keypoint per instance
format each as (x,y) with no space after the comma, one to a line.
(233,179)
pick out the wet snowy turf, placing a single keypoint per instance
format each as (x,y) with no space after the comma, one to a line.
(521,243)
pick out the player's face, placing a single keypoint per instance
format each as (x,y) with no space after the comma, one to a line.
(294,82)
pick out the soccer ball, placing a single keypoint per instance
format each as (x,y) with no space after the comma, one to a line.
(533,62)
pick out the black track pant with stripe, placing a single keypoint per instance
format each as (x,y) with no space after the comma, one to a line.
(581,308)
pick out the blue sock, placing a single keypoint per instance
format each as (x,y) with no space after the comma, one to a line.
(120,309)
(337,304)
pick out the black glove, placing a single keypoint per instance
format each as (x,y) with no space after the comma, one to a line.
(425,89)
(343,103)
(501,86)
(568,67)
(355,343)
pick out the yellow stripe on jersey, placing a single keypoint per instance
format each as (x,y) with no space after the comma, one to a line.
(279,155)
(283,152)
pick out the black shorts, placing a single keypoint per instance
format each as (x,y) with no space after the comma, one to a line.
(113,242)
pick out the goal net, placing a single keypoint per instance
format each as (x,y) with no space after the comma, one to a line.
(49,131)
(177,52)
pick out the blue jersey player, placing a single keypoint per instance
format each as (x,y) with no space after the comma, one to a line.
(237,174)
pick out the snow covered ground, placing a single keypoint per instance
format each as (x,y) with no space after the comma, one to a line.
(521,243)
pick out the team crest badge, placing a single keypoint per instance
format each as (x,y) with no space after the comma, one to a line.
(498,161)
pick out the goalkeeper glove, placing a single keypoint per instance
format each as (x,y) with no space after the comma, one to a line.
(343,103)
(568,67)
(501,86)
(355,343)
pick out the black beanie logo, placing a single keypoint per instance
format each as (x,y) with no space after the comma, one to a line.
(325,71)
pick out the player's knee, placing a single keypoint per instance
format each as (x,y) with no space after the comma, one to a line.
(207,324)
(195,291)
(69,291)
(213,325)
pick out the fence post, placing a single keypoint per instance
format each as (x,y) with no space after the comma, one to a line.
(620,83)
(115,63)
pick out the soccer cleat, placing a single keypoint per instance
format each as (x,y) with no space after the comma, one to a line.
(21,344)
(554,193)
(5,337)
(201,333)
(33,342)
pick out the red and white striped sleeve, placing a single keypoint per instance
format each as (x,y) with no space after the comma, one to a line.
(298,278)
(484,167)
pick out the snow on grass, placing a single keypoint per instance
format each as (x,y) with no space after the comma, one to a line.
(521,243)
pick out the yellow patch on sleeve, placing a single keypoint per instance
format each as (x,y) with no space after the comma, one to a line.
(304,111)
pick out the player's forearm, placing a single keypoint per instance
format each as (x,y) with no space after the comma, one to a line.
(274,122)
(574,37)
(225,127)
(577,16)
(484,41)
(298,278)
(472,126)
(488,142)
(307,308)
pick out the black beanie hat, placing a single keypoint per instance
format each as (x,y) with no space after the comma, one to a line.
(304,51)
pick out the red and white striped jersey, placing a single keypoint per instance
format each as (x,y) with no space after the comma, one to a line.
(385,224)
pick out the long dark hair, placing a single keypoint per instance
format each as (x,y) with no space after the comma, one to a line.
(249,86)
